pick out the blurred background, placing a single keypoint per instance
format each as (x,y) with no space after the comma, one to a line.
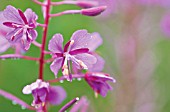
(136,36)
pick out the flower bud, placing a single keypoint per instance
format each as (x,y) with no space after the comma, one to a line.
(87,4)
(93,11)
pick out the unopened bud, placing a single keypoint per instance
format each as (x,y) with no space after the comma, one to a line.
(93,11)
(87,4)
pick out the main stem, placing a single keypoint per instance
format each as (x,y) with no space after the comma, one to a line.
(41,59)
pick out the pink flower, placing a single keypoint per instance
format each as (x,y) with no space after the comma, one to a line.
(76,50)
(98,82)
(165,25)
(44,93)
(23,25)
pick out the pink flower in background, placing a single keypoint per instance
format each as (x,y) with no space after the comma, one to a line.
(162,3)
(98,82)
(165,24)
(22,25)
(42,93)
(77,50)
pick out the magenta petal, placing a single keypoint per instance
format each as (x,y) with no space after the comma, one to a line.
(56,95)
(55,44)
(11,13)
(99,65)
(56,65)
(79,51)
(87,59)
(30,15)
(22,16)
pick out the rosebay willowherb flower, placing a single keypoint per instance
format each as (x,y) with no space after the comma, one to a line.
(23,25)
(78,54)
(4,43)
(98,82)
(44,93)
(77,50)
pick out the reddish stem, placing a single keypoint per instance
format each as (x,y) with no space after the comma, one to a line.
(41,61)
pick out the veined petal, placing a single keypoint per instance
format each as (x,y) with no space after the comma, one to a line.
(86,58)
(56,65)
(95,41)
(56,95)
(80,38)
(83,39)
(11,14)
(55,44)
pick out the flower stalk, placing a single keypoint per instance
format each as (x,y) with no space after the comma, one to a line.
(41,60)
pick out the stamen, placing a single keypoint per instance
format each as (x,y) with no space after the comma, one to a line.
(82,64)
(96,94)
(72,42)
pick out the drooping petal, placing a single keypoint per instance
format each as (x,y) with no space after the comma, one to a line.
(12,15)
(31,16)
(56,95)
(55,44)
(56,65)
(86,58)
(99,65)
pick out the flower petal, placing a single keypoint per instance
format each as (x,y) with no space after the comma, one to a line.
(33,34)
(83,39)
(4,44)
(56,65)
(11,14)
(95,41)
(55,44)
(15,35)
(86,58)
(31,16)
(27,89)
(99,65)
(56,95)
